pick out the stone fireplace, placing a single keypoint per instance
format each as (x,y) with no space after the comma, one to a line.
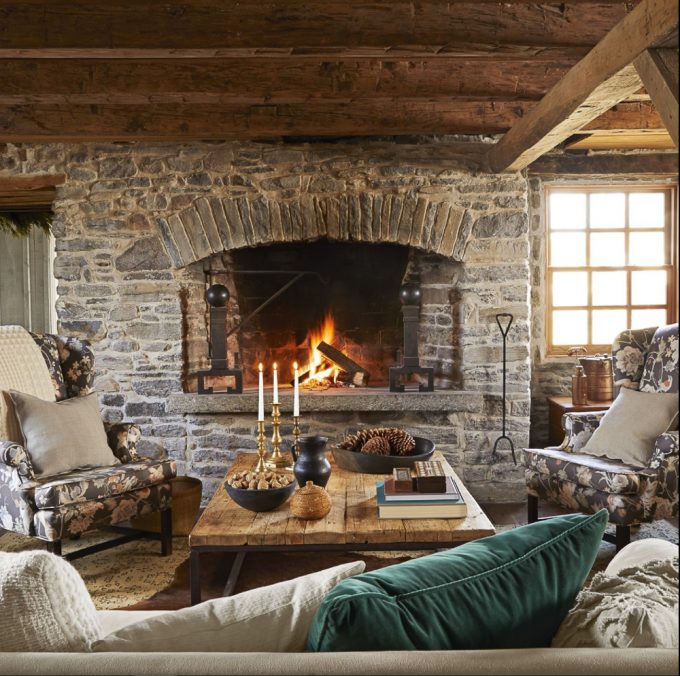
(142,229)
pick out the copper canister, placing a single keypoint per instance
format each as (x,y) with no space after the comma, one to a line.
(600,377)
(579,387)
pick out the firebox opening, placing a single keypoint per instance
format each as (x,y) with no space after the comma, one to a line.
(351,303)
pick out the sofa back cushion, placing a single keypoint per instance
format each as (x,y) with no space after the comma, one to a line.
(22,368)
(62,436)
(45,605)
(511,590)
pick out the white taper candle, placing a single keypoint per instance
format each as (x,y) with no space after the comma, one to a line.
(275,400)
(296,391)
(260,399)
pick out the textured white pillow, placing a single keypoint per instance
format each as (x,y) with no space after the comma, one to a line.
(638,608)
(44,605)
(628,430)
(276,618)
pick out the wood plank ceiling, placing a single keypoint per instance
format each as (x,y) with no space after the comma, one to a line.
(219,69)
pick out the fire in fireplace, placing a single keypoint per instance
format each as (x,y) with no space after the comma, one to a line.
(341,322)
(329,365)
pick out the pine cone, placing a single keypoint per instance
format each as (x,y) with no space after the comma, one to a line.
(376,446)
(402,443)
(355,442)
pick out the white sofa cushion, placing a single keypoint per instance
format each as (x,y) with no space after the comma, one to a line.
(640,552)
(44,604)
(276,618)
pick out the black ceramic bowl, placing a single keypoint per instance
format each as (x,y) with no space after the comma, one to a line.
(260,501)
(381,464)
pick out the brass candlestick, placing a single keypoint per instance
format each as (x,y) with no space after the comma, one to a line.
(296,436)
(261,448)
(277,460)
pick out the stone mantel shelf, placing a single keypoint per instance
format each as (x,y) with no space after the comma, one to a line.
(370,399)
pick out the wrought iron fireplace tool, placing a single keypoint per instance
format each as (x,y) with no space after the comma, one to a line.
(505,328)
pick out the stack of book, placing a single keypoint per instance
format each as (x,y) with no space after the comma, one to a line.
(396,502)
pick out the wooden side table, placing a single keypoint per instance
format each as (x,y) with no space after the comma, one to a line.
(558,406)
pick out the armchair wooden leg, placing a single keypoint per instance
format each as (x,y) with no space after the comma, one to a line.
(166,532)
(54,547)
(532,508)
(622,537)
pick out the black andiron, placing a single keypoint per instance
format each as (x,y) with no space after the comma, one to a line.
(217,297)
(410,296)
(504,321)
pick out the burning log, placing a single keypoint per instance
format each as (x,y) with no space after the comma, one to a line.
(354,373)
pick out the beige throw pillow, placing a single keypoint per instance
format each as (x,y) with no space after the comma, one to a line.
(62,436)
(629,428)
(637,608)
(270,619)
(45,605)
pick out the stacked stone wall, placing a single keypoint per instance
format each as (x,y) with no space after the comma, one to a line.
(121,284)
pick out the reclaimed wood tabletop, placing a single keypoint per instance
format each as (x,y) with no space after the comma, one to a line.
(353,518)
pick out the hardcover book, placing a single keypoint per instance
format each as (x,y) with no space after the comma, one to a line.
(452,508)
(413,495)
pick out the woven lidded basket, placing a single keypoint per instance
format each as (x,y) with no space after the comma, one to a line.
(310,502)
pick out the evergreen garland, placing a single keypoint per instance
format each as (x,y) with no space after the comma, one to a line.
(19,223)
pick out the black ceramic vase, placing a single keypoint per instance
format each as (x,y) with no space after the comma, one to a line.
(311,463)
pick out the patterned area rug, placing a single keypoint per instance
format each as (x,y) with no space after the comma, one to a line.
(118,577)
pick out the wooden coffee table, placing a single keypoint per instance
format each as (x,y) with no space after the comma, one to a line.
(351,525)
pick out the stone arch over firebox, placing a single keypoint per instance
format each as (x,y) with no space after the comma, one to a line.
(213,225)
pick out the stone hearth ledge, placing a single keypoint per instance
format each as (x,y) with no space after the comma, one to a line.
(372,399)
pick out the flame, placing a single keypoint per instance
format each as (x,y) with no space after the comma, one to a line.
(326,333)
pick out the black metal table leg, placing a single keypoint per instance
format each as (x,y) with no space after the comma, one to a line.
(195,576)
(234,573)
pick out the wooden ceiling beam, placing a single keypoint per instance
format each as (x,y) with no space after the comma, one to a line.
(658,70)
(278,80)
(599,81)
(579,165)
(298,24)
(535,53)
(625,117)
(43,123)
(172,121)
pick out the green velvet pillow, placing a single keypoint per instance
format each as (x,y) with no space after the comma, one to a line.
(511,590)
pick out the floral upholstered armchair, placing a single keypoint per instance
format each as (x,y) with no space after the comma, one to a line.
(64,506)
(645,359)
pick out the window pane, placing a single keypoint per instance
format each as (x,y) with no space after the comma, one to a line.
(649,287)
(607,324)
(570,327)
(567,211)
(567,249)
(607,248)
(608,210)
(642,319)
(609,288)
(646,210)
(647,248)
(570,288)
